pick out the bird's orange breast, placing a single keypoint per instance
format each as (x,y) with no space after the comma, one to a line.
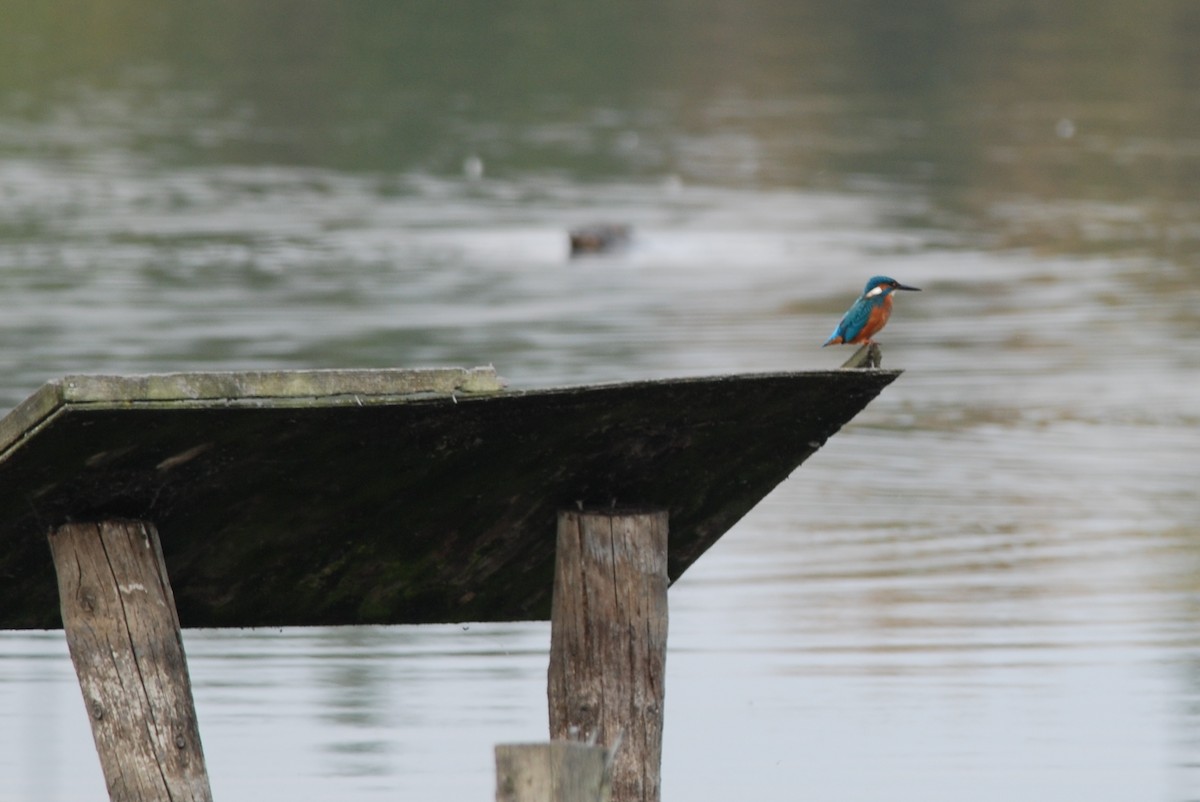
(876,320)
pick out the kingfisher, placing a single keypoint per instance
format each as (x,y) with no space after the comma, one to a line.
(870,312)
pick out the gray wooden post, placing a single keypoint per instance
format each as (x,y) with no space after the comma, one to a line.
(123,633)
(559,771)
(608,641)
(868,355)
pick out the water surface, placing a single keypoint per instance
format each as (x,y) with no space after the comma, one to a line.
(986,587)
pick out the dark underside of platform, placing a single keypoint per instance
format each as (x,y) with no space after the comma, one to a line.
(408,510)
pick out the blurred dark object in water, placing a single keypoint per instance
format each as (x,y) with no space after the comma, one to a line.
(602,238)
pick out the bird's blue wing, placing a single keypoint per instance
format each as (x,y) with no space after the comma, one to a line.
(852,322)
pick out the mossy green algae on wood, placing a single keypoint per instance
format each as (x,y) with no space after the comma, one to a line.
(244,388)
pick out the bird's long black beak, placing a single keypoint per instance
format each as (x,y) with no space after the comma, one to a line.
(903,287)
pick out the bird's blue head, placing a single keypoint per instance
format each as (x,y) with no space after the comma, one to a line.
(881,286)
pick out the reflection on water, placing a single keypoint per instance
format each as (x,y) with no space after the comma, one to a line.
(987,586)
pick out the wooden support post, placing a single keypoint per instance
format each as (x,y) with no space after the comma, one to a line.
(868,355)
(559,771)
(608,641)
(123,632)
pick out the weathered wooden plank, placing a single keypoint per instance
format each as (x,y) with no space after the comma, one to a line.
(283,388)
(608,641)
(559,771)
(124,639)
(277,385)
(421,507)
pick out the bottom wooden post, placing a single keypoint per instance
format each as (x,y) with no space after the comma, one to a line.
(608,641)
(123,633)
(559,771)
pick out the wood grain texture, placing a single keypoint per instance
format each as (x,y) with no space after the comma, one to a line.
(559,771)
(608,642)
(123,633)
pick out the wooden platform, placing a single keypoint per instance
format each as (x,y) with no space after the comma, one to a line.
(394,496)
